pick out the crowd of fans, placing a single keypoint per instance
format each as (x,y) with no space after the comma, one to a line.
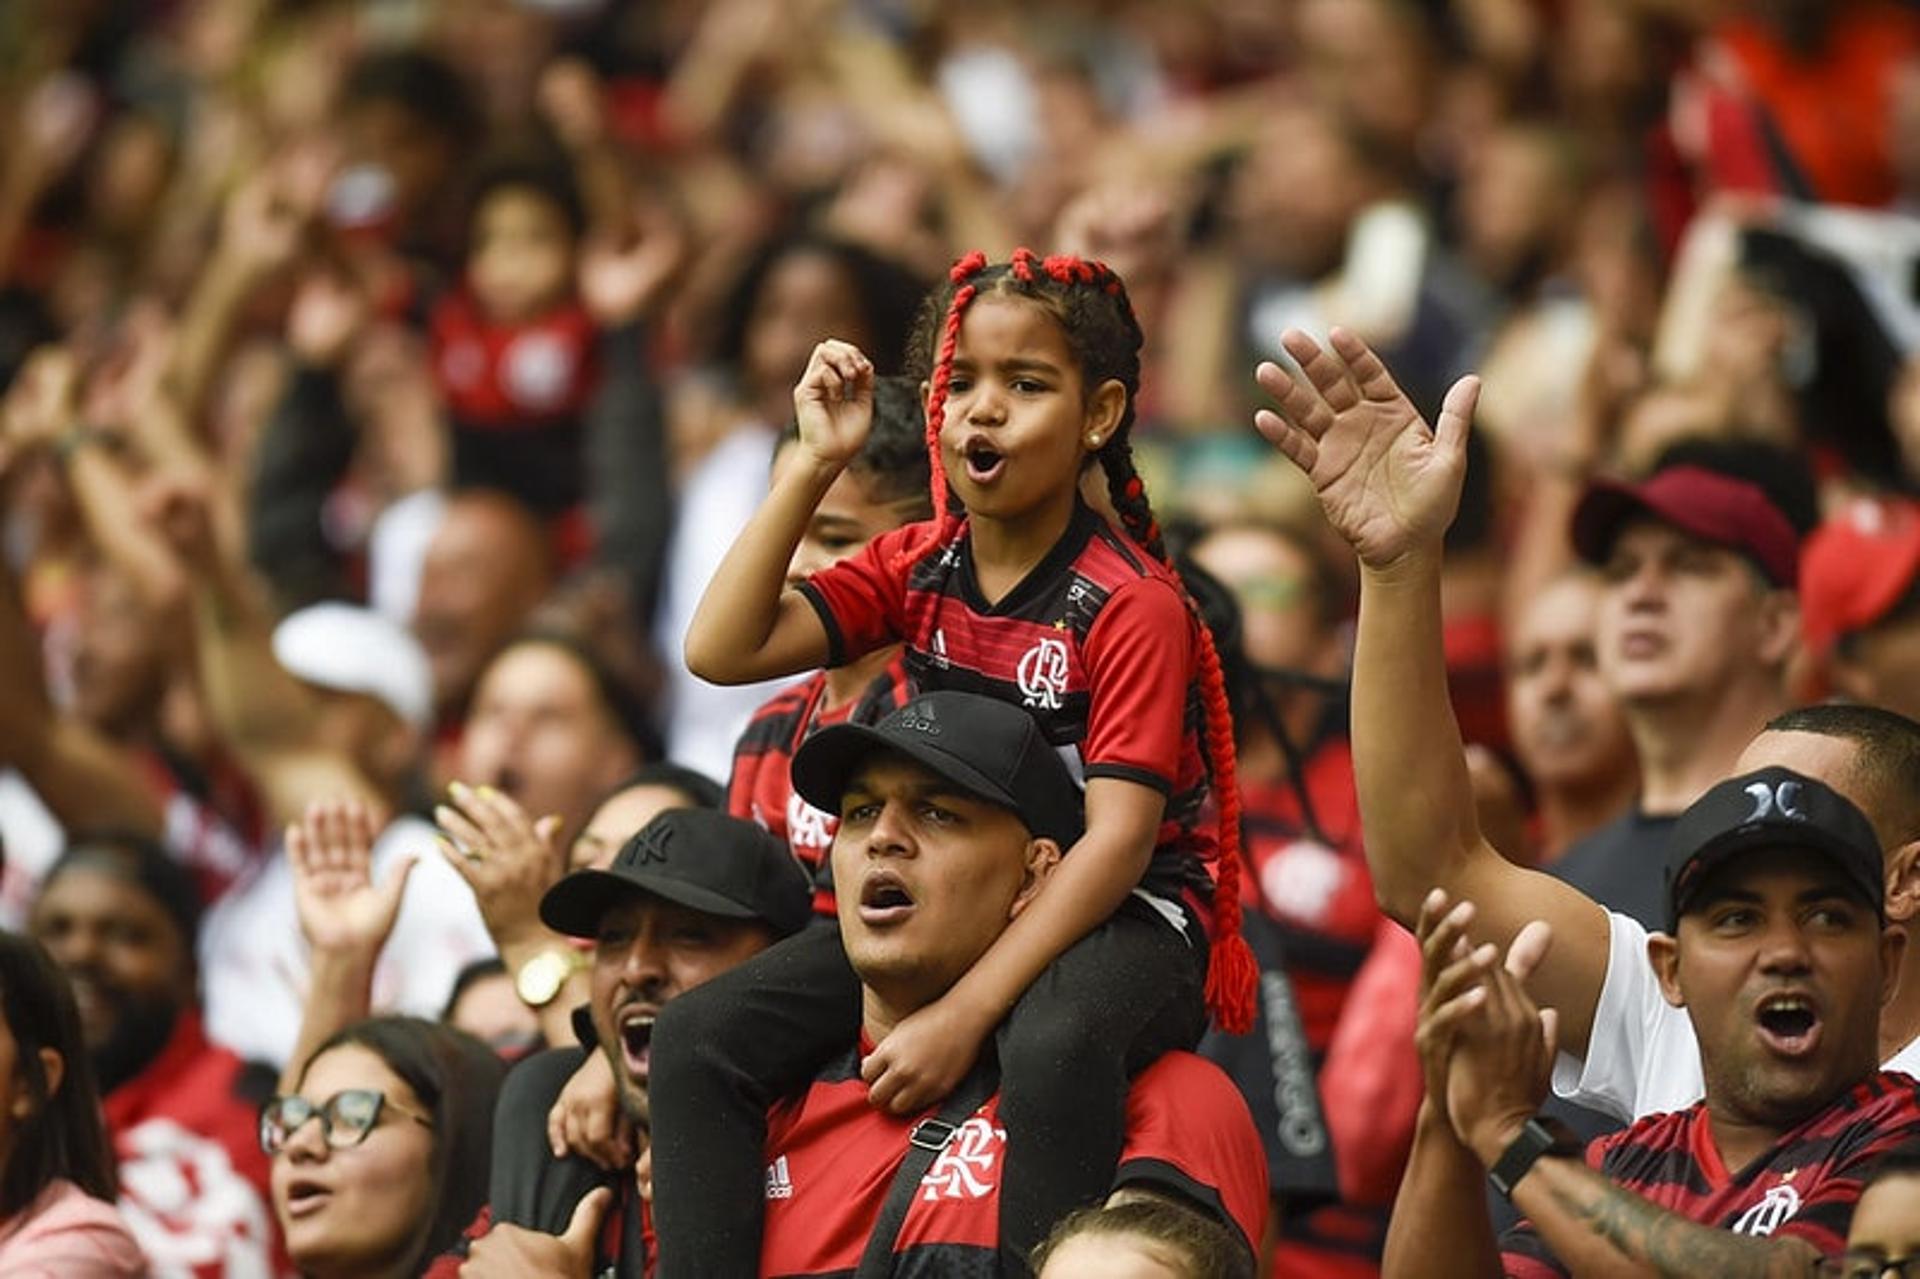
(1356,699)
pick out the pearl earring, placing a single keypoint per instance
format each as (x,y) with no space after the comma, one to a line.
(1094,440)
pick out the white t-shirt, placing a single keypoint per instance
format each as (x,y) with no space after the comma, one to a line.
(1642,1058)
(716,501)
(254,964)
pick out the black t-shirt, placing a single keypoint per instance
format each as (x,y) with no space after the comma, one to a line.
(1622,866)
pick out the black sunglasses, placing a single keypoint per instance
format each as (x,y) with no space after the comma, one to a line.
(345,1118)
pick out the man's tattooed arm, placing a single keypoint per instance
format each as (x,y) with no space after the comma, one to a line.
(1598,1228)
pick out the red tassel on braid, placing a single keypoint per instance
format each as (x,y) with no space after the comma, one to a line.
(1233,974)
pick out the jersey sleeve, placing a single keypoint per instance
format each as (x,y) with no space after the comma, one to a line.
(1140,667)
(1189,1133)
(860,599)
(1642,1057)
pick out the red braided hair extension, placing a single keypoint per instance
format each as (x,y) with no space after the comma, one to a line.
(944,521)
(1232,972)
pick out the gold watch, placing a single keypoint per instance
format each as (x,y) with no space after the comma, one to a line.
(541,977)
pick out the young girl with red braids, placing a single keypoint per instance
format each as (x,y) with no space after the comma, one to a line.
(1016,589)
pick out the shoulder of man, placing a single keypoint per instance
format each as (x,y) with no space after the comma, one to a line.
(1189,1133)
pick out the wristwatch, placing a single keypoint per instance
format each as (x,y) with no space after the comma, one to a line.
(1542,1135)
(541,977)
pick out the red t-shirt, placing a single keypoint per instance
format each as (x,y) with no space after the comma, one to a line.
(831,1159)
(1803,1187)
(761,786)
(1097,642)
(512,377)
(193,1179)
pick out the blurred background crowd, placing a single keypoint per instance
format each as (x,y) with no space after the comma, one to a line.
(384,379)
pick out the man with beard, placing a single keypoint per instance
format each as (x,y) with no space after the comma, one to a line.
(119,915)
(694,894)
(1780,952)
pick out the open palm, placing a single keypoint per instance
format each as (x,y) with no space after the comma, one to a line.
(331,852)
(1386,480)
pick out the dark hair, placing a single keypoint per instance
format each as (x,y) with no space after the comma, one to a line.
(64,1136)
(422,85)
(695,785)
(144,861)
(477,971)
(893,461)
(1204,1248)
(1090,304)
(1888,763)
(887,292)
(540,172)
(457,1079)
(1784,475)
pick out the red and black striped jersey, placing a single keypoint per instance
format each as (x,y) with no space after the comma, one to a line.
(1804,1186)
(831,1160)
(761,787)
(1097,642)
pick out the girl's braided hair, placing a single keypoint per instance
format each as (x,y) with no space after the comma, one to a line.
(1090,304)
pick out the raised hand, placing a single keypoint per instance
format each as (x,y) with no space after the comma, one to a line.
(341,909)
(1386,480)
(833,402)
(623,283)
(506,857)
(1486,1051)
(42,402)
(327,314)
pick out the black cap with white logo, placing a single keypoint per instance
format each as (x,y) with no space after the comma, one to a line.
(699,858)
(1772,808)
(987,747)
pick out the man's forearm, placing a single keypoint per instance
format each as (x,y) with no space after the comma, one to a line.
(1416,800)
(1441,1197)
(1596,1227)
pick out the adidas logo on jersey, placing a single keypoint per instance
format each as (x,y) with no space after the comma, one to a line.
(779,1181)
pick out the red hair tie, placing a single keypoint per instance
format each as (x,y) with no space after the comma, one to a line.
(967,266)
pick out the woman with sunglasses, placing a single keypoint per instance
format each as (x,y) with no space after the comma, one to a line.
(380,1147)
(56,1168)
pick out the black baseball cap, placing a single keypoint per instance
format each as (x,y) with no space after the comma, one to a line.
(1772,808)
(698,858)
(988,748)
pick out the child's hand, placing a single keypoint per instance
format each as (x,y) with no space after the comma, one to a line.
(586,1118)
(834,402)
(1387,481)
(923,1059)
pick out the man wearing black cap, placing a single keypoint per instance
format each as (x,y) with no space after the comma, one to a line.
(692,895)
(1781,956)
(954,811)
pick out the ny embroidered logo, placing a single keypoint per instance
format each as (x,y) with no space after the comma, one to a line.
(1779,1203)
(1783,799)
(779,1179)
(965,1168)
(1043,674)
